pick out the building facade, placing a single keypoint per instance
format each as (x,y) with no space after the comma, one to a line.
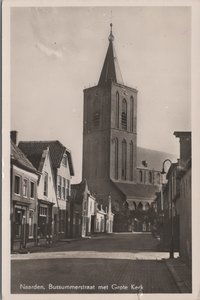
(62,172)
(95,217)
(185,200)
(23,206)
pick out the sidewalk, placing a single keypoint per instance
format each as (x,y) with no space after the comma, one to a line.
(46,247)
(181,273)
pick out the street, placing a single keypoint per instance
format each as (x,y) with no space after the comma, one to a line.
(116,263)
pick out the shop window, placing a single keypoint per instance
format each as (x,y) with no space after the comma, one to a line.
(32,189)
(45,184)
(31,223)
(25,187)
(17,185)
(19,222)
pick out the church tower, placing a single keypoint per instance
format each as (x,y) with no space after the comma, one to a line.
(110,129)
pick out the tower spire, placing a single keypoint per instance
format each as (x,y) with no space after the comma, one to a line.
(111,36)
(110,71)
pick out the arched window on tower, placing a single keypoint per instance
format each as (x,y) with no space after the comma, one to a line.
(131,161)
(117,111)
(116,158)
(124,159)
(131,113)
(141,176)
(124,115)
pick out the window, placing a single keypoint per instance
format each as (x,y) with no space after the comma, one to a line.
(64,189)
(45,184)
(17,185)
(116,158)
(59,186)
(124,115)
(141,176)
(25,187)
(131,161)
(158,176)
(90,206)
(31,223)
(124,159)
(64,160)
(32,189)
(96,119)
(131,113)
(68,189)
(43,211)
(117,111)
(150,177)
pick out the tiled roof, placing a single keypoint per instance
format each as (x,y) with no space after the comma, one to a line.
(153,158)
(19,158)
(131,190)
(35,149)
(78,191)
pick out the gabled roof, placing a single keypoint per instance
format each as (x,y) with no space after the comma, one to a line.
(131,190)
(78,191)
(34,150)
(153,158)
(110,70)
(18,158)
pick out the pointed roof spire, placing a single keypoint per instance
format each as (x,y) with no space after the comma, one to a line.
(111,36)
(110,70)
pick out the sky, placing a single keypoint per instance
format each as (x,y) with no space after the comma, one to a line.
(56,52)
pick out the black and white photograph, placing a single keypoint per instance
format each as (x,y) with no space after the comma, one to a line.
(100,134)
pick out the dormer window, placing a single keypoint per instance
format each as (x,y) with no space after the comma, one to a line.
(64,160)
(124,115)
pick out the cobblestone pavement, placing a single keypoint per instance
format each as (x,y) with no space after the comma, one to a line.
(120,263)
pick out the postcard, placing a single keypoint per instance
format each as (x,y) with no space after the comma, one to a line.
(100,149)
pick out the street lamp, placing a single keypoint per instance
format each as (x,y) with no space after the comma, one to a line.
(171,252)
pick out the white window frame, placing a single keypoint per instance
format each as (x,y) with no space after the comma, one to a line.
(25,188)
(59,186)
(19,185)
(32,182)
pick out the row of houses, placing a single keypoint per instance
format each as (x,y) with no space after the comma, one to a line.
(45,206)
(173,203)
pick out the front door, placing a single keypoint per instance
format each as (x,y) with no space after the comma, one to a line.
(20,226)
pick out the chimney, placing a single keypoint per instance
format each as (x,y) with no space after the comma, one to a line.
(13,136)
